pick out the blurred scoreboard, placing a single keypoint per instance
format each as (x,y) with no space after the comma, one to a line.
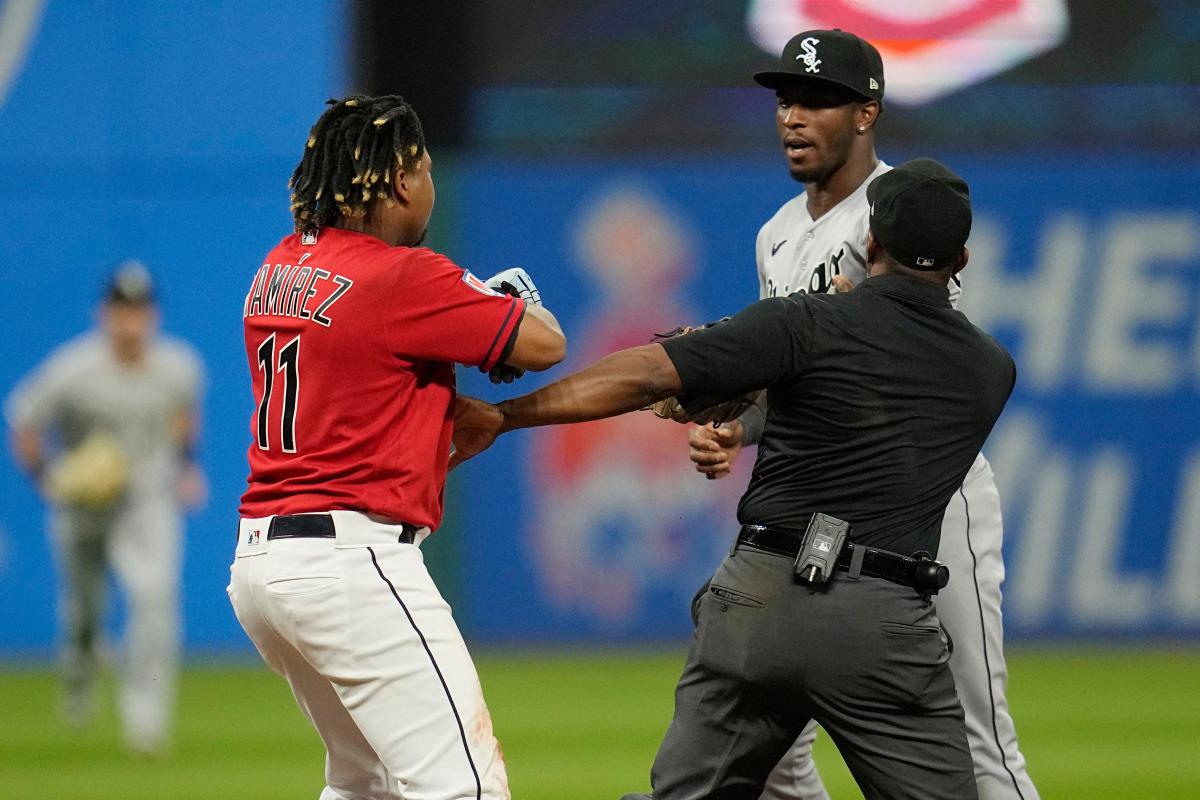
(675,75)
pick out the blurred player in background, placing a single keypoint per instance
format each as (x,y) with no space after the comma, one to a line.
(106,426)
(352,333)
(830,88)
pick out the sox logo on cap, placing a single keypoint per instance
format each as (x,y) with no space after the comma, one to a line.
(809,56)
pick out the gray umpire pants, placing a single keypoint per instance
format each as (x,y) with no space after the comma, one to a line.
(866,658)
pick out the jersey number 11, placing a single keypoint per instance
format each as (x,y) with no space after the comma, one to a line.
(289,365)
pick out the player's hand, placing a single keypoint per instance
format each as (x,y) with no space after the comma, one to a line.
(841,284)
(713,449)
(516,282)
(476,426)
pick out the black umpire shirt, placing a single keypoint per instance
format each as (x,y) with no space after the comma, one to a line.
(878,402)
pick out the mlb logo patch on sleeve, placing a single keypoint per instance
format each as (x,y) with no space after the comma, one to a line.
(478,285)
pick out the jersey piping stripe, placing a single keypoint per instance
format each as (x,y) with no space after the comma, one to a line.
(512,307)
(987,665)
(461,730)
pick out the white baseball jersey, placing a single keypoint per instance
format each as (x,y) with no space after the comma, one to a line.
(83,387)
(796,253)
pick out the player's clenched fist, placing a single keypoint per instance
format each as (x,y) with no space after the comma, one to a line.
(713,449)
(516,282)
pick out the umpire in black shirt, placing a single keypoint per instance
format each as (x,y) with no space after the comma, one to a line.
(878,402)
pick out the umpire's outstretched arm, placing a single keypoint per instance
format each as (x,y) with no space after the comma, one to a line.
(623,381)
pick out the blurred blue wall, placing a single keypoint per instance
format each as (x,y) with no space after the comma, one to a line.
(168,133)
(1088,270)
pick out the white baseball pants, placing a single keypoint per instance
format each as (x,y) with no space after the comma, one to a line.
(374,658)
(969,608)
(141,541)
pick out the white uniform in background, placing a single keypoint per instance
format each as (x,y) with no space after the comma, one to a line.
(79,390)
(796,253)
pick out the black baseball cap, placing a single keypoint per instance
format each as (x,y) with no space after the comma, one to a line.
(833,56)
(920,214)
(130,284)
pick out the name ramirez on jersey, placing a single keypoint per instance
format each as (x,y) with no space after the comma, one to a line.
(284,290)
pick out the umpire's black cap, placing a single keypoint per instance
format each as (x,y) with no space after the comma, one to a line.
(833,56)
(130,284)
(920,214)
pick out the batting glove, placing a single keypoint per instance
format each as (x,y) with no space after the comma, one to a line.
(503,373)
(516,282)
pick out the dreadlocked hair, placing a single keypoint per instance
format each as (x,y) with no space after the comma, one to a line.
(351,154)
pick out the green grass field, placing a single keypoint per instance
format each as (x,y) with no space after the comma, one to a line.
(1094,724)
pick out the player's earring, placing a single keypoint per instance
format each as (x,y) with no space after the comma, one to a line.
(862,128)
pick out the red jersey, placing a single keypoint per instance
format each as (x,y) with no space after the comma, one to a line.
(351,345)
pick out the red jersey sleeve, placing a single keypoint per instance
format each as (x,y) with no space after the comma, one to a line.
(439,311)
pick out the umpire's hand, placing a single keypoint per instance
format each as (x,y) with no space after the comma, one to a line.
(476,425)
(713,449)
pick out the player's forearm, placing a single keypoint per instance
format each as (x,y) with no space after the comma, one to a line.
(540,341)
(624,381)
(183,431)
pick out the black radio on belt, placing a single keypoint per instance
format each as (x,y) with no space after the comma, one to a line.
(820,548)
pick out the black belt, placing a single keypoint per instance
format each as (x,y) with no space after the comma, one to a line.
(320,526)
(922,574)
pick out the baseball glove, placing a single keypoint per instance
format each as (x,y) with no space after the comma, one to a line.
(93,475)
(671,409)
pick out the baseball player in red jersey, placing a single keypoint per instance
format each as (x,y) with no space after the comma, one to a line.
(352,333)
